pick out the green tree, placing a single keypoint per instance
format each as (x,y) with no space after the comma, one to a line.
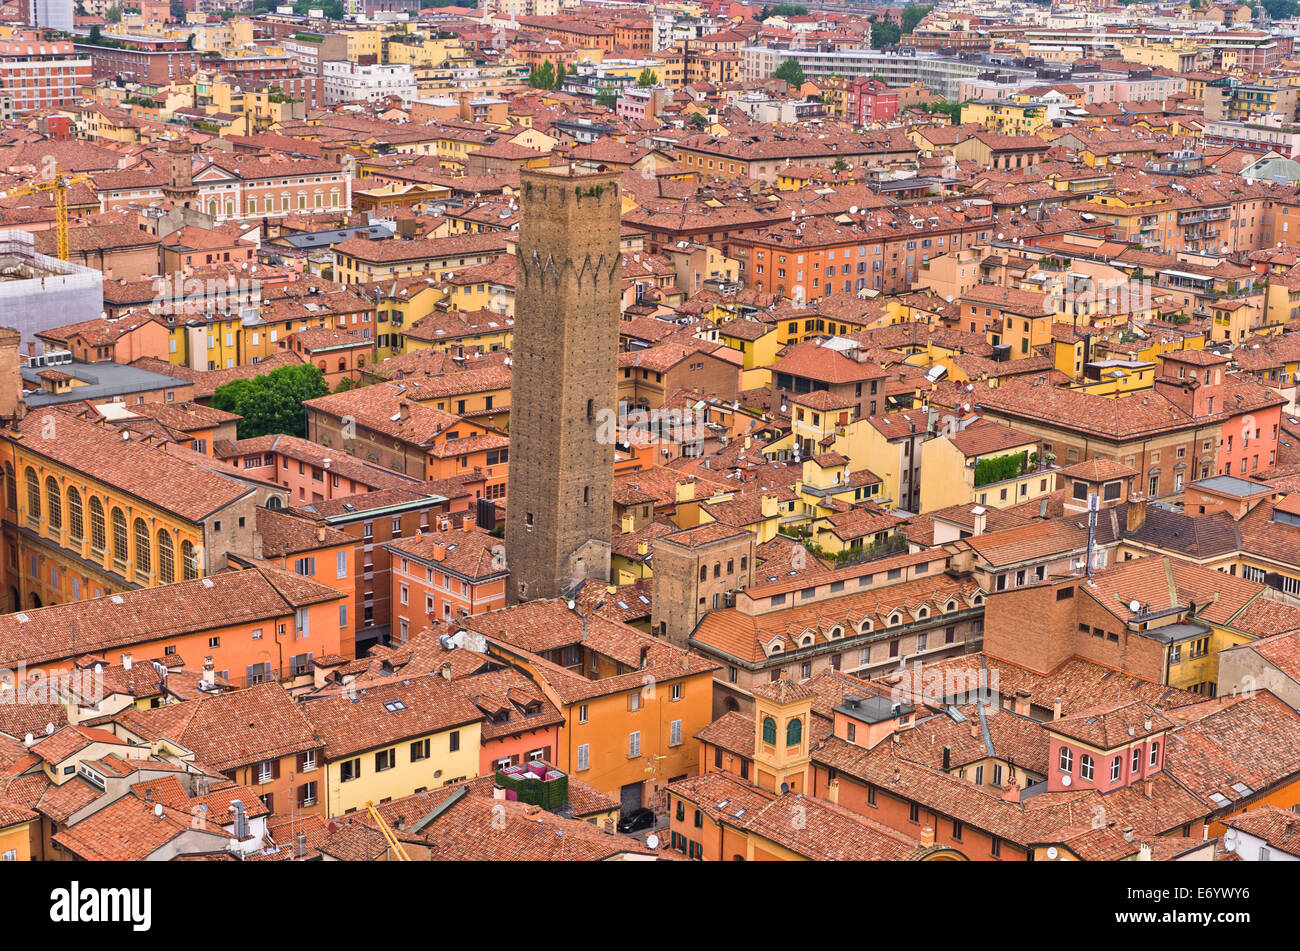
(1280,9)
(791,72)
(543,76)
(560,73)
(345,384)
(950,109)
(95,35)
(113,15)
(914,15)
(698,120)
(840,165)
(884,34)
(607,97)
(647,78)
(332,9)
(272,403)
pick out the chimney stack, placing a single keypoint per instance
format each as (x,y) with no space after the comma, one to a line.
(209,672)
(1056,708)
(927,837)
(1137,514)
(1021,702)
(1011,792)
(403,409)
(981,520)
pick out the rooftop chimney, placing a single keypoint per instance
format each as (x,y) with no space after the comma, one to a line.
(209,672)
(981,520)
(927,837)
(403,409)
(1011,792)
(1056,708)
(1022,703)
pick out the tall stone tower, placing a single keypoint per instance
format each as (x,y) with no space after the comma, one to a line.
(180,173)
(559,512)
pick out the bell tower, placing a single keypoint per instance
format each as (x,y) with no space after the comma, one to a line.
(782,718)
(564,400)
(180,173)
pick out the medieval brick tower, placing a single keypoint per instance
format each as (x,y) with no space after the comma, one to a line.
(559,513)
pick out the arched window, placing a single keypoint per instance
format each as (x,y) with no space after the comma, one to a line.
(1067,759)
(950,606)
(769,731)
(76,527)
(274,502)
(11,488)
(977,600)
(54,502)
(865,626)
(166,562)
(143,558)
(189,561)
(923,613)
(33,496)
(1085,766)
(704,572)
(1155,755)
(793,732)
(119,536)
(806,640)
(895,618)
(97,539)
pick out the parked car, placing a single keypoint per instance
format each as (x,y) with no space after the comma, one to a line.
(636,820)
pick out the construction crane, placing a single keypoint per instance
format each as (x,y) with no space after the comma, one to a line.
(387,833)
(59,185)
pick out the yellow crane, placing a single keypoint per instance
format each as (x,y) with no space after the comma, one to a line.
(387,833)
(59,185)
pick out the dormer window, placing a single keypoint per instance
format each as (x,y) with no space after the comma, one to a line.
(923,613)
(865,626)
(895,618)
(950,607)
(806,641)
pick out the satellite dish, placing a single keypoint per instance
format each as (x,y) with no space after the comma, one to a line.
(1066,780)
(158,810)
(1229,845)
(49,729)
(652,841)
(1052,852)
(1134,607)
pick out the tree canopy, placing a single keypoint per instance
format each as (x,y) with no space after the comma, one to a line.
(884,34)
(914,15)
(607,97)
(782,10)
(272,403)
(791,72)
(648,77)
(546,76)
